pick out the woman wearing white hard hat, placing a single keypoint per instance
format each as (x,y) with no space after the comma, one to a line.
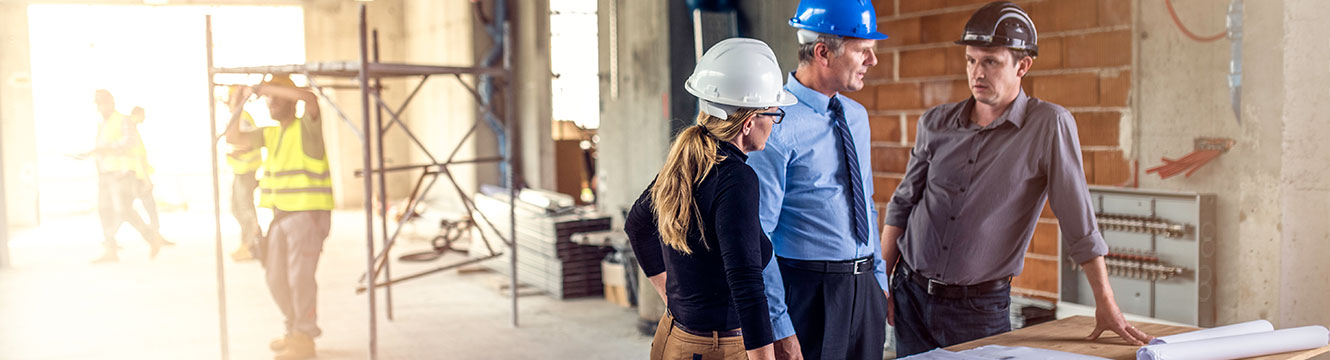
(698,221)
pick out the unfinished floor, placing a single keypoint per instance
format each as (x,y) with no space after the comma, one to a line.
(56,305)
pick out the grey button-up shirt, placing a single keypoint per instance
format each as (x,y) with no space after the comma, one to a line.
(972,195)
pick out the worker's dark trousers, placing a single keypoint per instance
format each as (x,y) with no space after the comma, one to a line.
(295,241)
(925,322)
(242,207)
(116,192)
(836,316)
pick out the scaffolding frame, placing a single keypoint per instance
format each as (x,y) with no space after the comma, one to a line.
(368,74)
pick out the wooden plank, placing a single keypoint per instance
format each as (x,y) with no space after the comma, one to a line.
(1069,335)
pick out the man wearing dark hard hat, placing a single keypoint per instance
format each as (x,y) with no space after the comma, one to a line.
(825,286)
(978,176)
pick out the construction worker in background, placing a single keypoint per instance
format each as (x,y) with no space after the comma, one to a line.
(245,163)
(297,186)
(117,179)
(825,284)
(143,171)
(975,184)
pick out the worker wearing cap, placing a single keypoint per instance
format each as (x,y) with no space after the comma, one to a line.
(245,164)
(825,284)
(118,168)
(297,186)
(974,187)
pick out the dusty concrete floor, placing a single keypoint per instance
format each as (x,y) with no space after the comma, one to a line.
(54,304)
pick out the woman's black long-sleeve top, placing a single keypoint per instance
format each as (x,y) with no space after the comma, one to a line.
(719,286)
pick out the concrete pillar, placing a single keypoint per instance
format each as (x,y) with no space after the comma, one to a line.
(18,146)
(331,35)
(531,58)
(1304,287)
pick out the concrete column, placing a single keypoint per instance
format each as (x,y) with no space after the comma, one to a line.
(18,146)
(531,58)
(1304,287)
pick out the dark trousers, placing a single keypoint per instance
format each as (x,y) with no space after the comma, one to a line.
(925,322)
(836,316)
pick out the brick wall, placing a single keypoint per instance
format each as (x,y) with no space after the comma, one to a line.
(1084,65)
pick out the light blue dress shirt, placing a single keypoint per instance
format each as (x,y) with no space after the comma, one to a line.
(802,206)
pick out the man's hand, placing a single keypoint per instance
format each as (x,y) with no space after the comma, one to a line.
(1108,317)
(1106,313)
(891,309)
(788,348)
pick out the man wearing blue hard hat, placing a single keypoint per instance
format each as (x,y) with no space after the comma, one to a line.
(825,284)
(980,170)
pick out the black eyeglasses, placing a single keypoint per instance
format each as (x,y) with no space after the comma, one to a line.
(779,114)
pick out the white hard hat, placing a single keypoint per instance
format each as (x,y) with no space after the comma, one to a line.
(735,73)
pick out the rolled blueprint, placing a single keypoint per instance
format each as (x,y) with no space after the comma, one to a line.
(1239,346)
(1250,327)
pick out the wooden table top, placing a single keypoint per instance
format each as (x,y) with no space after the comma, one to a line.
(1069,335)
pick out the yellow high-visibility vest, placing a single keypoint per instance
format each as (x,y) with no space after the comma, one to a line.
(292,180)
(248,161)
(109,131)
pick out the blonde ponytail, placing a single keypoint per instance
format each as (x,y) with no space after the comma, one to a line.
(690,159)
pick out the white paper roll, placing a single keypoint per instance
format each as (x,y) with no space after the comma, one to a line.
(1250,327)
(1239,346)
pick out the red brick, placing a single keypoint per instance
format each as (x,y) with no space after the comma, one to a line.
(1113,12)
(954,3)
(898,96)
(924,62)
(866,96)
(940,28)
(1045,239)
(945,91)
(1039,275)
(909,6)
(883,187)
(911,128)
(1068,90)
(1098,49)
(885,68)
(1110,168)
(885,7)
(955,60)
(1087,164)
(1098,128)
(1050,54)
(891,158)
(885,128)
(1063,15)
(1115,90)
(900,32)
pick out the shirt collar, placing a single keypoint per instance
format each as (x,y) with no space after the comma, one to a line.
(728,149)
(1015,113)
(813,98)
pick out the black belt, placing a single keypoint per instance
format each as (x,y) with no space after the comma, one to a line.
(728,333)
(861,265)
(941,289)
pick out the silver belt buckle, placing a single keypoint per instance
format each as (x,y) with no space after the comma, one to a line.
(860,262)
(934,284)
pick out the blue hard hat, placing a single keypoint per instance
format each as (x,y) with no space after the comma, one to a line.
(852,18)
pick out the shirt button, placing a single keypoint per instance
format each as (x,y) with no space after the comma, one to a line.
(953,218)
(946,247)
(971,161)
(962,189)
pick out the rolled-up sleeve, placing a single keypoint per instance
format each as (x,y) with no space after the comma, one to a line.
(1069,195)
(912,186)
(643,234)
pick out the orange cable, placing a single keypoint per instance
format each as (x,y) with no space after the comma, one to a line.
(1185,31)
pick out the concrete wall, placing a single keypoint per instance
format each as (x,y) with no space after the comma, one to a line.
(531,59)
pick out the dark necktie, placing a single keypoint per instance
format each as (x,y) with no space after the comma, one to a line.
(858,213)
